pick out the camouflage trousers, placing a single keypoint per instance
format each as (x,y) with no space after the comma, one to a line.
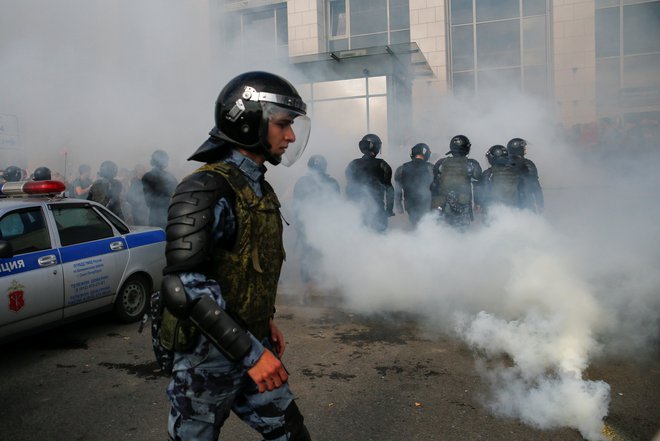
(203,396)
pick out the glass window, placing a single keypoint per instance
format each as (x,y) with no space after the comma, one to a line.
(337,17)
(368,40)
(488,79)
(497,9)
(463,83)
(498,44)
(368,16)
(534,7)
(607,32)
(399,15)
(606,3)
(25,230)
(462,48)
(282,25)
(338,45)
(400,37)
(461,12)
(641,71)
(114,220)
(641,28)
(339,89)
(608,80)
(377,85)
(536,80)
(79,224)
(305,91)
(378,116)
(334,112)
(534,43)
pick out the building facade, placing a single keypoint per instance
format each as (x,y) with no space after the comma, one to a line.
(590,59)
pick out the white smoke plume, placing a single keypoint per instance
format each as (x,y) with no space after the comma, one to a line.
(538,297)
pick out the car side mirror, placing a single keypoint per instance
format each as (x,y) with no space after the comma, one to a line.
(6,250)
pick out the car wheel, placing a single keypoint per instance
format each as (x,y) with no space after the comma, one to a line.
(133,299)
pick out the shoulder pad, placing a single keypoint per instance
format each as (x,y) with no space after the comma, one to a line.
(190,219)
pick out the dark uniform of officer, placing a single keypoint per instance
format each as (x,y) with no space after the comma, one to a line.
(532,191)
(369,184)
(224,254)
(453,176)
(412,182)
(158,186)
(309,191)
(106,190)
(501,183)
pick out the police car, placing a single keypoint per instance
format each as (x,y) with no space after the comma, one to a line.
(62,259)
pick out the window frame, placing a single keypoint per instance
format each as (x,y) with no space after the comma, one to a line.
(522,63)
(45,227)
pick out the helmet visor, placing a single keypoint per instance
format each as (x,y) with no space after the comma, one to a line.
(289,119)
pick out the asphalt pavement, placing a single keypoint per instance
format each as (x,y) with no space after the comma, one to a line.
(356,377)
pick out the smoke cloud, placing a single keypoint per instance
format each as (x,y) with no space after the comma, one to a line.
(538,297)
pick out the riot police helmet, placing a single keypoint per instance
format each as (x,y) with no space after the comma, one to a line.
(243,110)
(160,159)
(108,169)
(42,174)
(420,149)
(318,163)
(370,144)
(459,146)
(497,155)
(12,174)
(517,147)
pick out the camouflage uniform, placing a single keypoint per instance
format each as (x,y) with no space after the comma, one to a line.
(205,385)
(452,189)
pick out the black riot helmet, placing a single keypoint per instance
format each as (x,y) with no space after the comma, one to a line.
(242,112)
(497,155)
(42,174)
(516,147)
(370,144)
(108,169)
(160,159)
(318,163)
(12,174)
(459,146)
(420,149)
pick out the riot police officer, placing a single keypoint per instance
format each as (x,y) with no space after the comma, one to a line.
(158,186)
(412,182)
(311,190)
(501,183)
(106,190)
(369,184)
(453,177)
(12,174)
(532,193)
(224,255)
(41,174)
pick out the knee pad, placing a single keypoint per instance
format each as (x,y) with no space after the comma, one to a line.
(294,426)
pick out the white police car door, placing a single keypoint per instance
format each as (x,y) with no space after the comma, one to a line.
(31,280)
(89,250)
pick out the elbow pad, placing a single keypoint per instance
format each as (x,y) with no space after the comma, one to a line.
(222,330)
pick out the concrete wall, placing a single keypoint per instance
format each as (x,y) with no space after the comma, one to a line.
(428,30)
(574,60)
(306,26)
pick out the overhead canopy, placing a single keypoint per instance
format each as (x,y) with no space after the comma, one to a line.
(404,59)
